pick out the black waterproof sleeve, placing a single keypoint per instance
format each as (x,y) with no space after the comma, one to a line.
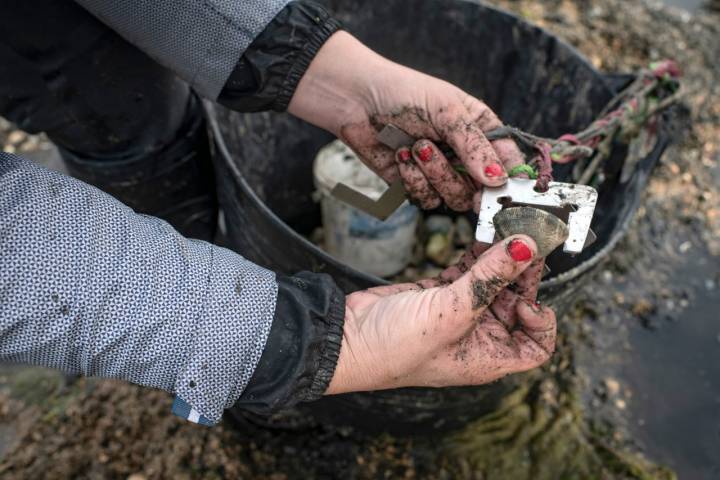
(269,71)
(303,346)
(304,342)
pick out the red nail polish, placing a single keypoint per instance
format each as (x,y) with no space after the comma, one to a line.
(404,155)
(425,153)
(519,251)
(534,305)
(494,170)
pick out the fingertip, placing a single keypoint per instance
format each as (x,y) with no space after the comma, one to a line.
(535,316)
(403,155)
(494,174)
(508,152)
(539,323)
(419,190)
(423,150)
(521,248)
(490,273)
(452,188)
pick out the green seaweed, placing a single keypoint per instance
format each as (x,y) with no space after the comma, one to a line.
(541,431)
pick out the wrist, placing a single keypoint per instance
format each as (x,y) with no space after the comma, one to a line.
(364,363)
(337,88)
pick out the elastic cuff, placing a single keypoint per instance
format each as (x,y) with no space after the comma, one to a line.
(300,66)
(267,74)
(303,346)
(330,351)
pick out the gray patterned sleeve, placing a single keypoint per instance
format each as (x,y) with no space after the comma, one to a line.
(201,40)
(90,287)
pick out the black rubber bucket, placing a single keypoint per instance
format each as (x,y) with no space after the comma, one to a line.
(529,77)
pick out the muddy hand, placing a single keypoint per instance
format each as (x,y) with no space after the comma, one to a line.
(353,92)
(525,287)
(468,332)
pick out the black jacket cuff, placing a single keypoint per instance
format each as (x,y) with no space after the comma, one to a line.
(303,347)
(266,76)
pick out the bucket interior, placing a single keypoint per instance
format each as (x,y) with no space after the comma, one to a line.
(529,78)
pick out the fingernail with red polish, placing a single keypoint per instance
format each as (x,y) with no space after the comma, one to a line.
(534,305)
(404,155)
(519,251)
(425,153)
(494,170)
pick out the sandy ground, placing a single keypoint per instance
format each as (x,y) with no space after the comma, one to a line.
(52,428)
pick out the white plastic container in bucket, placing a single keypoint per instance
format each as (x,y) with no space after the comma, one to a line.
(370,245)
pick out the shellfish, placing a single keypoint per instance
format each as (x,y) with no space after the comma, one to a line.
(546,229)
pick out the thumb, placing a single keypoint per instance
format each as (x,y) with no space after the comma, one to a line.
(465,299)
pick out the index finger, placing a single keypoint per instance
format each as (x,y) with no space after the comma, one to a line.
(476,153)
(508,152)
(505,148)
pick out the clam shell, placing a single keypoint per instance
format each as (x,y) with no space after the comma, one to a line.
(546,229)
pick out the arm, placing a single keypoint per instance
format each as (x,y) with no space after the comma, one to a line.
(276,55)
(199,40)
(299,62)
(88,286)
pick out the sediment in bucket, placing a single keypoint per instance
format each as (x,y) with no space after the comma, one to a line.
(381,248)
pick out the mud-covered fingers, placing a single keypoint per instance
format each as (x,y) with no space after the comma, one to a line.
(476,289)
(509,153)
(528,283)
(504,307)
(536,336)
(456,191)
(524,288)
(506,149)
(476,152)
(486,120)
(416,183)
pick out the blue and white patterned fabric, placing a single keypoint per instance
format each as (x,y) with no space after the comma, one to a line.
(88,286)
(200,40)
